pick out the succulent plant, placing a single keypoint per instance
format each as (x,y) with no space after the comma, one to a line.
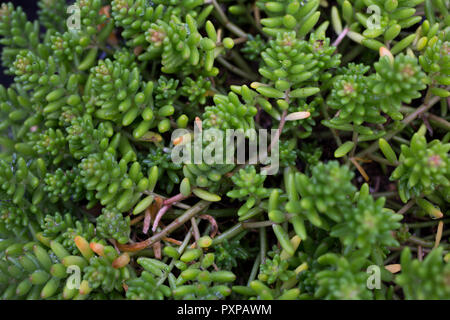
(423,166)
(94,204)
(427,279)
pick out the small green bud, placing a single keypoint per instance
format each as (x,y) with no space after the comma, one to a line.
(344,149)
(228,43)
(164,125)
(171,252)
(143,204)
(191,255)
(204,242)
(185,187)
(190,274)
(387,150)
(206,195)
(223,276)
(207,44)
(182,121)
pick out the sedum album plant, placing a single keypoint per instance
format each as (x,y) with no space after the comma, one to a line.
(93,205)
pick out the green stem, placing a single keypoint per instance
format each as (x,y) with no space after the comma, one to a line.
(382,160)
(352,54)
(195,229)
(387,194)
(355,141)
(417,225)
(230,233)
(259,224)
(254,271)
(433,236)
(392,257)
(263,244)
(235,69)
(425,244)
(242,63)
(406,207)
(410,118)
(180,250)
(401,140)
(333,131)
(224,19)
(393,204)
(216,213)
(438,121)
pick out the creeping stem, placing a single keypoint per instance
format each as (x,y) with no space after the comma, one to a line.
(410,118)
(198,207)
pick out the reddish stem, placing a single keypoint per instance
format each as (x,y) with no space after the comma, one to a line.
(279,130)
(177,198)
(340,37)
(159,215)
(147,221)
(167,204)
(133,247)
(215,227)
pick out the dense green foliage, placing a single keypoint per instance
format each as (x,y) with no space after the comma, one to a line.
(93,206)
